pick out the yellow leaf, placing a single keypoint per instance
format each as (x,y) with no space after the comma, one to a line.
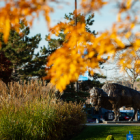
(128,4)
(72,68)
(91,54)
(128,34)
(138,62)
(137,44)
(119,17)
(132,25)
(91,73)
(7,29)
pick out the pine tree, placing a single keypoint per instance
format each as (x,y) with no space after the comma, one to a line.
(70,94)
(19,50)
(93,81)
(36,67)
(18,60)
(5,68)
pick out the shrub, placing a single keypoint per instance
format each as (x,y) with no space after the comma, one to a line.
(28,113)
(110,137)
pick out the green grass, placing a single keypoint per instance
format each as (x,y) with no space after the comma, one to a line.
(101,132)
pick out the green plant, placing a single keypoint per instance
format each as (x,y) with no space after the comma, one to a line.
(70,94)
(29,112)
(110,137)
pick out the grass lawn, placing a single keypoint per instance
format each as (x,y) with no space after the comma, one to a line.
(101,132)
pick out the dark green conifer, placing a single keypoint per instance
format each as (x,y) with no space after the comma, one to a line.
(19,50)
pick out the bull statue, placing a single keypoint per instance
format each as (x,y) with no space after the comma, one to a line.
(112,96)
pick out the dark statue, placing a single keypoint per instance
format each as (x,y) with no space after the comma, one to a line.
(112,96)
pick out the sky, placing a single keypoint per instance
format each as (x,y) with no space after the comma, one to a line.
(103,21)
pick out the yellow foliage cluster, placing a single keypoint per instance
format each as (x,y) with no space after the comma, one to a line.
(13,11)
(67,63)
(92,5)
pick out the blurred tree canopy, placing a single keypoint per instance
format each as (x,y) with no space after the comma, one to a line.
(70,93)
(67,63)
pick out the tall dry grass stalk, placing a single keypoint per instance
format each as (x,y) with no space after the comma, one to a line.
(20,94)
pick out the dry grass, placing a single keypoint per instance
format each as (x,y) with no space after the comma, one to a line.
(19,94)
(31,111)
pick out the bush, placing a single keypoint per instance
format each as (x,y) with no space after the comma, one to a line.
(32,114)
(110,137)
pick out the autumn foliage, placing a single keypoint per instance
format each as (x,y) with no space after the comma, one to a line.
(67,63)
(13,11)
